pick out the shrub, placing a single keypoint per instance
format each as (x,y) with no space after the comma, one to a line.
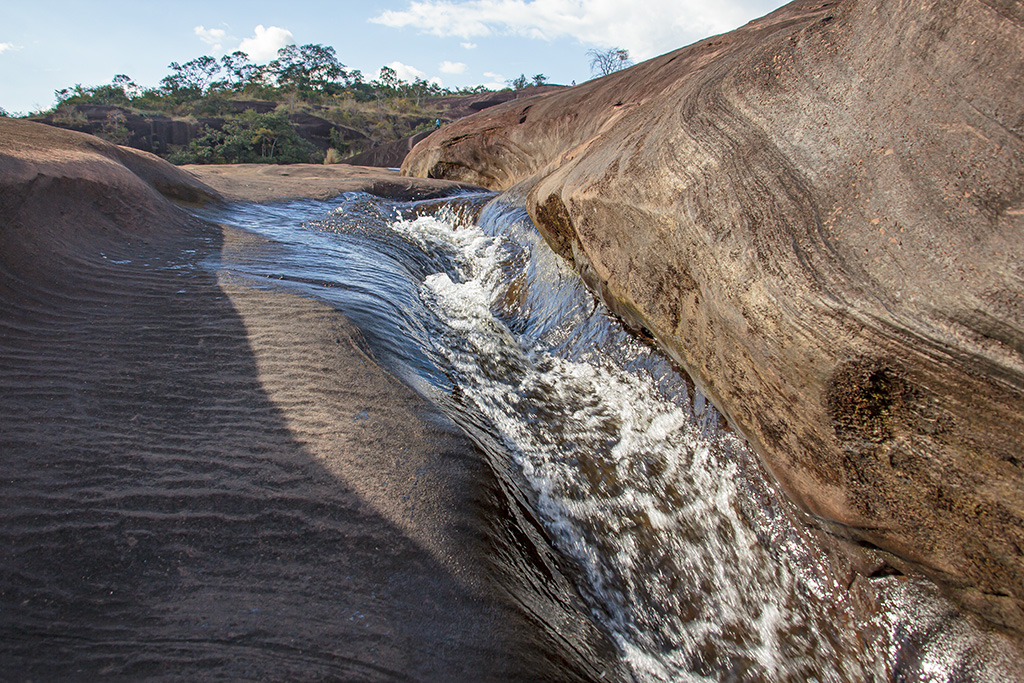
(250,138)
(115,129)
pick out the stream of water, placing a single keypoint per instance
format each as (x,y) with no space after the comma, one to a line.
(684,551)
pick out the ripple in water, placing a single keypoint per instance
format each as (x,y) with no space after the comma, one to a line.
(686,553)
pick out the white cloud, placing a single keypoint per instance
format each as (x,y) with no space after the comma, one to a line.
(497,81)
(406,72)
(646,29)
(265,43)
(468,46)
(452,67)
(4,47)
(210,36)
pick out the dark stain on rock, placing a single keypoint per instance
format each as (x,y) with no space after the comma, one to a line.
(444,170)
(867,399)
(553,221)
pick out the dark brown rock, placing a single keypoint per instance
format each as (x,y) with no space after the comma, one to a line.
(157,133)
(318,131)
(388,155)
(821,216)
(149,132)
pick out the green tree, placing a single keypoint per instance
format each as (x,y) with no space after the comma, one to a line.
(389,77)
(540,79)
(116,128)
(239,71)
(112,94)
(519,82)
(306,69)
(192,78)
(251,138)
(129,87)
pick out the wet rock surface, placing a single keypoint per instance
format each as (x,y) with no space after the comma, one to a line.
(820,216)
(209,479)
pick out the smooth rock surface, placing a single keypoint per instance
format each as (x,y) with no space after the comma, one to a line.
(821,216)
(273,182)
(207,478)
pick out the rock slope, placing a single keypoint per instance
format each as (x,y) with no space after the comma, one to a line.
(820,215)
(208,478)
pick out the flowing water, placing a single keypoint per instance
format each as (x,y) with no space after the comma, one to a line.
(682,548)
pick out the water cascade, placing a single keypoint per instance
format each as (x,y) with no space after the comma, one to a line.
(680,545)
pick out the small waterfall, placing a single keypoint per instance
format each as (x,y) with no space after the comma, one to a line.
(682,548)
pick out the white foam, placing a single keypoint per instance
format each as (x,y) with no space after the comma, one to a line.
(642,496)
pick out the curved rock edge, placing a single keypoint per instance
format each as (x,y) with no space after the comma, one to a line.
(720,198)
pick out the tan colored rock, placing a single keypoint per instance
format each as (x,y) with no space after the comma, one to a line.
(195,464)
(273,182)
(821,216)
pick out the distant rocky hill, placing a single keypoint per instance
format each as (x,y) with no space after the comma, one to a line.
(162,134)
(820,215)
(159,133)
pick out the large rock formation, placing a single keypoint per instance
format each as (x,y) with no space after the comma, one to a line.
(821,216)
(64,195)
(183,475)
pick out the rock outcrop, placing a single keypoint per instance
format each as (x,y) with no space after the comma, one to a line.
(65,194)
(177,447)
(388,155)
(820,215)
(154,133)
(158,134)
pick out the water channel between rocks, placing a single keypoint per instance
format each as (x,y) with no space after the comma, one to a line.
(680,546)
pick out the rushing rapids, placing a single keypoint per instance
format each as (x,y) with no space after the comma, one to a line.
(678,542)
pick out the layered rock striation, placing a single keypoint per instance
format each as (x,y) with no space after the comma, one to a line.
(195,462)
(820,215)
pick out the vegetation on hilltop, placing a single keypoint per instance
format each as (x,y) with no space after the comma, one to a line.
(245,112)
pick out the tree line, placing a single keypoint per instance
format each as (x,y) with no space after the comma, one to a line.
(301,76)
(311,72)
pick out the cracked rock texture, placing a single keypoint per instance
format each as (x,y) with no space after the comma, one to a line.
(820,215)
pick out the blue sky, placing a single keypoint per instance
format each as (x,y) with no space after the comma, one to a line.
(45,46)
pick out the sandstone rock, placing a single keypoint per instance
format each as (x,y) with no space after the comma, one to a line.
(820,215)
(66,194)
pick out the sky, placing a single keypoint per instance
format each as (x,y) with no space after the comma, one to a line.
(47,46)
